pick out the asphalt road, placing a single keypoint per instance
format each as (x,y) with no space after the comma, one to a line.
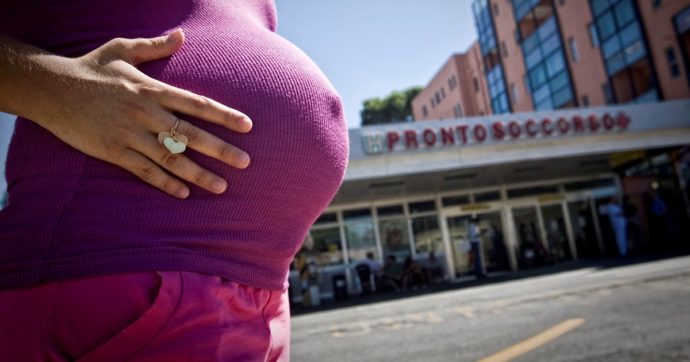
(637,312)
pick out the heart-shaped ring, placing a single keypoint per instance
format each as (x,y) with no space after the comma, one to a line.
(173,141)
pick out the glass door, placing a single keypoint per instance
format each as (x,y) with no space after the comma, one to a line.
(584,230)
(359,233)
(530,248)
(556,234)
(458,228)
(493,241)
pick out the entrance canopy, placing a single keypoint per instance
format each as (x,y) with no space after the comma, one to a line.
(436,156)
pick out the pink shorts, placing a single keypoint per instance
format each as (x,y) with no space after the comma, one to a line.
(149,316)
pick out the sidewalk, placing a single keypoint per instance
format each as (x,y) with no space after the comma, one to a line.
(468,282)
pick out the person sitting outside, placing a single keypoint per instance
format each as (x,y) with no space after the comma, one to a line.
(392,275)
(433,268)
(413,274)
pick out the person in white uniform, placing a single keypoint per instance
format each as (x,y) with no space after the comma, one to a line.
(618,223)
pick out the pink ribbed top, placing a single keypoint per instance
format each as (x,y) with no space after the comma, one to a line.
(71,215)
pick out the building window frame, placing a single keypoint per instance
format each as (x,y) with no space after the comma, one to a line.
(624,47)
(574,53)
(672,60)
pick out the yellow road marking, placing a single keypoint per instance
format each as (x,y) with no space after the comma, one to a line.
(465,311)
(535,342)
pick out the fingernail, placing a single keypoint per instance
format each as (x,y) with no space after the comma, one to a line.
(247,123)
(218,186)
(170,38)
(243,160)
(183,193)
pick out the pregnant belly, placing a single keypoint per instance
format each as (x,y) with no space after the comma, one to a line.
(298,148)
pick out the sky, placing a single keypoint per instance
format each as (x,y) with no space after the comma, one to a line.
(366,48)
(369,48)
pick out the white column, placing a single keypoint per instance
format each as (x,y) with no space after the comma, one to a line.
(510,236)
(445,234)
(509,231)
(377,235)
(597,226)
(569,229)
(542,228)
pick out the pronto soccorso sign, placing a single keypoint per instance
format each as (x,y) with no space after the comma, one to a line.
(492,132)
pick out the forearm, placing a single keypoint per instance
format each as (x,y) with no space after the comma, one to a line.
(29,81)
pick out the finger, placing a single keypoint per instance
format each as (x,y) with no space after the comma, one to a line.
(202,107)
(202,141)
(179,164)
(140,50)
(151,173)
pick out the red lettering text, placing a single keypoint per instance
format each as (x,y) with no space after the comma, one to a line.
(479,132)
(411,139)
(563,125)
(514,129)
(393,138)
(623,121)
(546,126)
(447,136)
(463,132)
(579,124)
(609,122)
(429,137)
(530,128)
(499,133)
(593,122)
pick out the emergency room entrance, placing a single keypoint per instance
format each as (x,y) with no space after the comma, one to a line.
(493,243)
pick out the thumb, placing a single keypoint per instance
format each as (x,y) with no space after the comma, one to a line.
(147,49)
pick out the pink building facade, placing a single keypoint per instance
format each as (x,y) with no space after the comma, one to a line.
(457,90)
(555,54)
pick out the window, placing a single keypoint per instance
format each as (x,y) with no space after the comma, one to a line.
(487,196)
(593,36)
(672,62)
(533,15)
(514,93)
(395,237)
(323,246)
(656,3)
(425,113)
(608,94)
(495,9)
(455,200)
(359,233)
(443,93)
(504,49)
(544,55)
(585,100)
(438,97)
(427,235)
(624,13)
(476,84)
(532,191)
(457,110)
(574,55)
(326,219)
(424,206)
(433,103)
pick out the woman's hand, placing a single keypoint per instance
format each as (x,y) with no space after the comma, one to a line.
(102,105)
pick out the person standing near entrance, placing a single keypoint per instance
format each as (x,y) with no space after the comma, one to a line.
(619,225)
(476,243)
(659,214)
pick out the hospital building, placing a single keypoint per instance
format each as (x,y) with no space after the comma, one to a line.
(557,107)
